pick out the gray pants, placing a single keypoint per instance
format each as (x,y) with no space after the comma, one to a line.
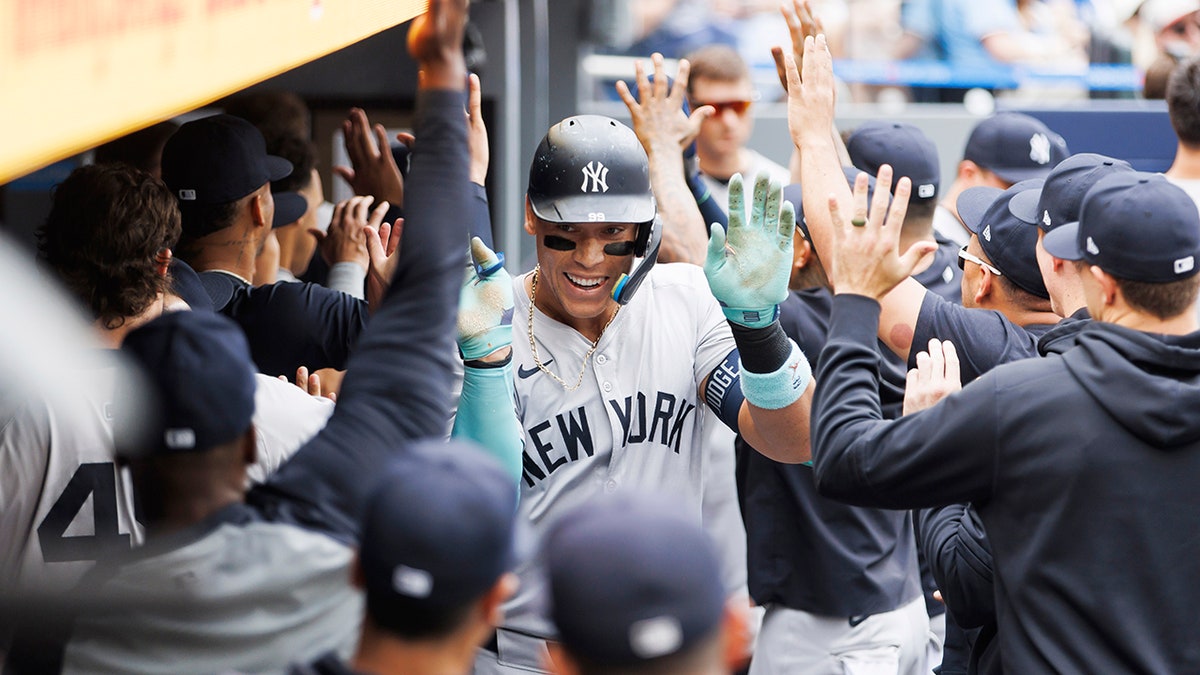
(892,643)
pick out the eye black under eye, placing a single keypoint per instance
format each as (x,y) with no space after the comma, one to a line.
(557,243)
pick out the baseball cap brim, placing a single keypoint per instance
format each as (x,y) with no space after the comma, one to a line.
(1024,206)
(584,208)
(973,204)
(277,167)
(1063,242)
(289,207)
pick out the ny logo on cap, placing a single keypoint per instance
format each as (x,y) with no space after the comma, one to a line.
(1046,217)
(187,195)
(597,173)
(1092,247)
(987,233)
(1039,148)
(1185,264)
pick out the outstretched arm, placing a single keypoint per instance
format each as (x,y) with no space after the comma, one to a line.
(810,116)
(747,269)
(397,387)
(663,129)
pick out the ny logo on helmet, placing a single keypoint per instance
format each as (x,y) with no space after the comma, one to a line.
(597,173)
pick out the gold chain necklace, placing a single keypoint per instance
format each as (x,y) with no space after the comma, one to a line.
(533,345)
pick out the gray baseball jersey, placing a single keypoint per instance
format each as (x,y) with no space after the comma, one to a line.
(66,501)
(636,422)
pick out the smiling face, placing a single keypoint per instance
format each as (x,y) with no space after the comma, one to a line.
(723,134)
(575,286)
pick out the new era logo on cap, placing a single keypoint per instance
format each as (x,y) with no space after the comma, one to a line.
(987,233)
(654,637)
(1092,247)
(1046,218)
(179,439)
(597,174)
(412,582)
(1184,265)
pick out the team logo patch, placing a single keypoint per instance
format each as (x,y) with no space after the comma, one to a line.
(654,637)
(987,233)
(596,174)
(179,439)
(1039,148)
(1185,264)
(412,582)
(187,195)
(1094,249)
(925,191)
(1046,218)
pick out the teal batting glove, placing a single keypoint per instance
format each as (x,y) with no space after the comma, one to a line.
(748,267)
(485,304)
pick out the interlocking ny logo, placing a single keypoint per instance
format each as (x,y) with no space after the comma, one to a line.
(1039,148)
(597,173)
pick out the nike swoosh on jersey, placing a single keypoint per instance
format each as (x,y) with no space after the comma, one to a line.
(524,373)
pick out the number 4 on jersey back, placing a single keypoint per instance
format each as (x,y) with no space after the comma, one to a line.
(99,480)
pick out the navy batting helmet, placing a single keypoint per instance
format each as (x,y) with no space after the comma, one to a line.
(592,168)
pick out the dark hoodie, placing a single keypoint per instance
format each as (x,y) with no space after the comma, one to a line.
(1082,467)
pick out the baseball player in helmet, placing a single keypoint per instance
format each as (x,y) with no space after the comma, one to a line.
(620,361)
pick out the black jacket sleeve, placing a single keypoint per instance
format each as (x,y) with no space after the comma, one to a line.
(939,456)
(289,325)
(398,383)
(956,546)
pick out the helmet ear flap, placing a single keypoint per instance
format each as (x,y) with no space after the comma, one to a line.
(646,248)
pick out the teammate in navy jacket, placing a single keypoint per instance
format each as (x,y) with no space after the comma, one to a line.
(1077,463)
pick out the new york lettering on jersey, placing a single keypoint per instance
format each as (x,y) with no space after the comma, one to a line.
(647,418)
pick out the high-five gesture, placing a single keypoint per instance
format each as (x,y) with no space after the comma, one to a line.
(865,258)
(748,266)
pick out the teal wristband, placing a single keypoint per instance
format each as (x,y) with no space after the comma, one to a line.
(779,389)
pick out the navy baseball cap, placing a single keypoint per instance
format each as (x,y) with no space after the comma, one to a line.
(439,530)
(199,369)
(186,284)
(906,148)
(1059,199)
(289,207)
(794,194)
(217,160)
(1015,147)
(591,168)
(632,579)
(1009,243)
(1135,226)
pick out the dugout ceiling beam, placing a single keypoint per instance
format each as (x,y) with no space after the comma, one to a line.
(76,73)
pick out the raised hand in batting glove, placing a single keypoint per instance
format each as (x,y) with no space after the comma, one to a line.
(485,305)
(748,266)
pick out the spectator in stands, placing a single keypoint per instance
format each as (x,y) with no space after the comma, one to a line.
(975,38)
(719,78)
(1003,149)
(1183,104)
